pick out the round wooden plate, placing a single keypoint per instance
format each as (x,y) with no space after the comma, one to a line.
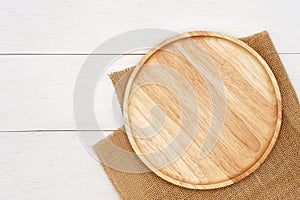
(202,110)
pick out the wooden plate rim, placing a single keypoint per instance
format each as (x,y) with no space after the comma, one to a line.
(277,95)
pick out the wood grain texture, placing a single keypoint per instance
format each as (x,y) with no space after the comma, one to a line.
(251,97)
(36,96)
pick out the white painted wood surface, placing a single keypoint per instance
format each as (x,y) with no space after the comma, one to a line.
(37,92)
(43,46)
(74,26)
(50,165)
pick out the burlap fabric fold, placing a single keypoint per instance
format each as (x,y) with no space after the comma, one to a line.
(277,178)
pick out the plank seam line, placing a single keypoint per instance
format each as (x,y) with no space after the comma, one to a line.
(99,54)
(16,131)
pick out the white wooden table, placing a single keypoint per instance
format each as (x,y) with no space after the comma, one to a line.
(43,44)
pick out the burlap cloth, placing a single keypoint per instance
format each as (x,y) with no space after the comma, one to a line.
(277,178)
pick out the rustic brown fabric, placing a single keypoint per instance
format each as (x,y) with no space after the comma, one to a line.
(277,178)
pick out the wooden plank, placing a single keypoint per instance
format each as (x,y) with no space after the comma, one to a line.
(50,165)
(37,91)
(73,26)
